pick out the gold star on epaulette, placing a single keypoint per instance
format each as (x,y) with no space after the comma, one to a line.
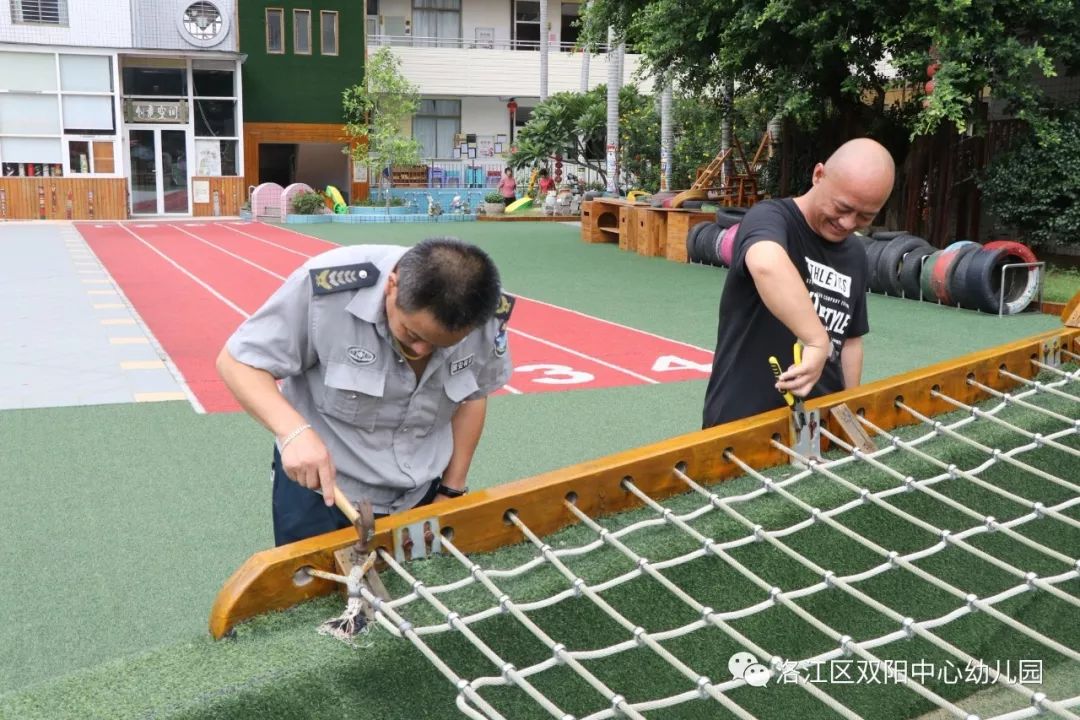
(347,277)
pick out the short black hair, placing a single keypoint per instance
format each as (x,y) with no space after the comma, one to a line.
(455,281)
(543,171)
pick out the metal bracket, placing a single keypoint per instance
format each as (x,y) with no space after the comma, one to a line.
(419,540)
(1050,352)
(806,435)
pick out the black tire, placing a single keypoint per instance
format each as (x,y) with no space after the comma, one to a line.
(872,254)
(691,243)
(910,270)
(980,286)
(692,204)
(707,241)
(888,234)
(728,216)
(865,240)
(955,280)
(890,261)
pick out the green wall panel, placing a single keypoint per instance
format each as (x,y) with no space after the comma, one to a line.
(299,88)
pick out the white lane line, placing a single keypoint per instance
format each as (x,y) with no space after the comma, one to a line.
(206,286)
(612,323)
(590,358)
(512,390)
(241,258)
(118,321)
(269,242)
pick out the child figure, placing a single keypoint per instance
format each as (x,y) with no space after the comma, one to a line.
(546,183)
(508,187)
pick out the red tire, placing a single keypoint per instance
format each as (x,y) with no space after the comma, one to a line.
(939,278)
(727,244)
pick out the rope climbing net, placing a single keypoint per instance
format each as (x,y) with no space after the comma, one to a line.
(852,559)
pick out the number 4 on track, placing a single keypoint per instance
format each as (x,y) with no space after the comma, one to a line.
(668,363)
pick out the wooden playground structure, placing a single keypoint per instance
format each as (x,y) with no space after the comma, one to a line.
(661,231)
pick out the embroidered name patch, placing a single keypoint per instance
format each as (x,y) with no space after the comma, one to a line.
(360,356)
(458,365)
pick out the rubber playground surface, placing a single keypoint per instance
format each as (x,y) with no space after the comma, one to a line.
(130,516)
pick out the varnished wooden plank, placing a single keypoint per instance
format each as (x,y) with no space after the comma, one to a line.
(265,582)
(63,198)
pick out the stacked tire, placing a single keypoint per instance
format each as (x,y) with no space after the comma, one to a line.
(965,273)
(712,243)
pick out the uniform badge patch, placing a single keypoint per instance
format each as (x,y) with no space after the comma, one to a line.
(506,306)
(360,356)
(500,343)
(346,277)
(458,365)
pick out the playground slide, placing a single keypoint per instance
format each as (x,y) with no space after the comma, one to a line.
(334,194)
(521,204)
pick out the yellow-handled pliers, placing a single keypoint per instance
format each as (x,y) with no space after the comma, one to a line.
(796,404)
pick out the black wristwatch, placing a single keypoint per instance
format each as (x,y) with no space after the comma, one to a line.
(451,492)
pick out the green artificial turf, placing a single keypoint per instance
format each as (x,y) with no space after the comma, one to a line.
(122,522)
(277,666)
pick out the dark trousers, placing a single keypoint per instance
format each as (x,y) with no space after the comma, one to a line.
(301,513)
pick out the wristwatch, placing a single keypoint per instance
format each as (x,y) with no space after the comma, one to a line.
(451,492)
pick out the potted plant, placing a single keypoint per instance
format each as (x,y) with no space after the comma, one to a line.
(493,204)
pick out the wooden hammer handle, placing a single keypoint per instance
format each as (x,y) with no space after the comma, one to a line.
(345,506)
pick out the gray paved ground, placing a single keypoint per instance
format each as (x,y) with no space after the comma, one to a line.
(68,335)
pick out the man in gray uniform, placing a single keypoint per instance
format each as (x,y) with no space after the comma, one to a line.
(386,355)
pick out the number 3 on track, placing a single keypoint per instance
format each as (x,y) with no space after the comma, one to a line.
(556,374)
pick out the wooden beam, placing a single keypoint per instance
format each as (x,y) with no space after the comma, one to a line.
(268,579)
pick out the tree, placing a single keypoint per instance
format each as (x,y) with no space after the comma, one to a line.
(573,125)
(376,111)
(820,60)
(1035,185)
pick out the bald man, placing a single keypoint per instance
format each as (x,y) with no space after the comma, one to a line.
(797,273)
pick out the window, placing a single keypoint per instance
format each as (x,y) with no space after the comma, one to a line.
(435,125)
(436,22)
(41,12)
(301,32)
(57,114)
(275,31)
(214,116)
(569,29)
(329,26)
(202,21)
(527,24)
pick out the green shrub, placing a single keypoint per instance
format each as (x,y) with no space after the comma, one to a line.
(309,203)
(376,202)
(1034,186)
(493,197)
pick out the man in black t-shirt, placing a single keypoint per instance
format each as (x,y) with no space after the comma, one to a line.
(797,273)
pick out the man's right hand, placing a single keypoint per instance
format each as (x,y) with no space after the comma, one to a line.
(800,379)
(307,462)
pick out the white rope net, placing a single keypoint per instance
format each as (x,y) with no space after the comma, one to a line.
(843,589)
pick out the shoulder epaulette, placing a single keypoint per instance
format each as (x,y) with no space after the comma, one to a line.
(345,277)
(506,306)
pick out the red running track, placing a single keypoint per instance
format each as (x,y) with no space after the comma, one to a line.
(194,282)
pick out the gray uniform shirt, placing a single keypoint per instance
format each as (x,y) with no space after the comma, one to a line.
(388,434)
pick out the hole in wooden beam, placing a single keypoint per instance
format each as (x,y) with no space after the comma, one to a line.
(571,497)
(510,512)
(447,532)
(302,577)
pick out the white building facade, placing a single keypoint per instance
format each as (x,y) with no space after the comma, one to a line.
(477,65)
(142,90)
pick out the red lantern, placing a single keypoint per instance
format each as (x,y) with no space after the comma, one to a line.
(512,106)
(931,70)
(929,87)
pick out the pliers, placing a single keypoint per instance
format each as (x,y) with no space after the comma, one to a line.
(796,404)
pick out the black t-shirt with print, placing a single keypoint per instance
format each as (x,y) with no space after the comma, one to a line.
(742,383)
